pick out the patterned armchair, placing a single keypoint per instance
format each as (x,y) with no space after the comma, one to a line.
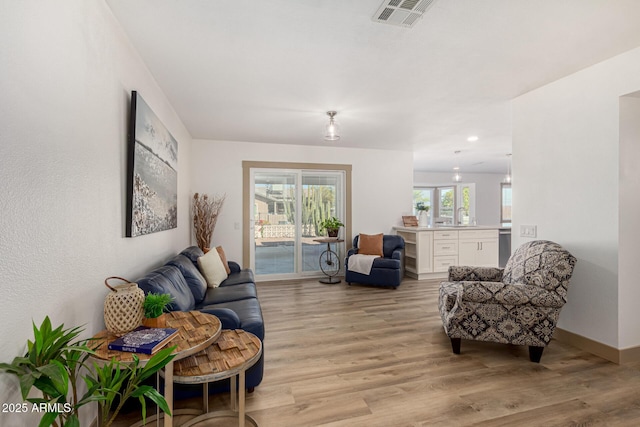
(518,305)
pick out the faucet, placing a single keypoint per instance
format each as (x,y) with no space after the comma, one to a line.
(458,216)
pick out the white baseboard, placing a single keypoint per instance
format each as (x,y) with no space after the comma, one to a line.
(615,355)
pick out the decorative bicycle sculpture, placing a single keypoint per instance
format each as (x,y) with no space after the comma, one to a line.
(329,261)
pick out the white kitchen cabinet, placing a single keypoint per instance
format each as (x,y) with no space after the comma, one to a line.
(478,248)
(445,250)
(417,252)
(430,252)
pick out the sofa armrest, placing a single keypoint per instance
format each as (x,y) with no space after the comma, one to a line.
(234,267)
(352,251)
(228,317)
(500,293)
(476,274)
(397,254)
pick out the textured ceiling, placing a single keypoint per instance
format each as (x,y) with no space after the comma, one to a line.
(267,71)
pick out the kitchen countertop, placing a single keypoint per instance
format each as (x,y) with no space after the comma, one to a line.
(450,227)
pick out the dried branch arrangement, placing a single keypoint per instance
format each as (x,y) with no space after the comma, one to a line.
(205,215)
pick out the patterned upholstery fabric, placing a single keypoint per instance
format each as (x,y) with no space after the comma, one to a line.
(519,305)
(541,263)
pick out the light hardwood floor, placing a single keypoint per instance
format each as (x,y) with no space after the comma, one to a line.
(338,355)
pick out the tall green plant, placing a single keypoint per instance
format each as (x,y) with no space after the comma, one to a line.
(53,364)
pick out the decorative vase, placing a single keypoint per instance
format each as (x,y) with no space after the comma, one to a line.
(155,322)
(423,219)
(123,307)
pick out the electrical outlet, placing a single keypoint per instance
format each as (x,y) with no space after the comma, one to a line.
(528,231)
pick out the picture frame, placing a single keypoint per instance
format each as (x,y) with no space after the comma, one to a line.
(152,172)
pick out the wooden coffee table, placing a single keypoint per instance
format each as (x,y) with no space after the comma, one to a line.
(196,331)
(230,356)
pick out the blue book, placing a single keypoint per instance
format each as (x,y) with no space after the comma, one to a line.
(144,340)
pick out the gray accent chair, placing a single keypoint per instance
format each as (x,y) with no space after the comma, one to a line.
(519,304)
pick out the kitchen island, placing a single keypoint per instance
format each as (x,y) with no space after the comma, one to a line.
(430,251)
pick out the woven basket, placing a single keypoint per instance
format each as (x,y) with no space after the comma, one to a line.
(123,307)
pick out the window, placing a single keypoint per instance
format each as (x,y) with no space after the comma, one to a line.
(422,195)
(446,205)
(453,204)
(441,202)
(505,203)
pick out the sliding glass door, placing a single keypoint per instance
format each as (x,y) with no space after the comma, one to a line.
(274,226)
(287,207)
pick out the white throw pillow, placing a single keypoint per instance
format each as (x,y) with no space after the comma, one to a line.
(212,268)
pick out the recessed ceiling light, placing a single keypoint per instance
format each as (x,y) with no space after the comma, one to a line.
(472,138)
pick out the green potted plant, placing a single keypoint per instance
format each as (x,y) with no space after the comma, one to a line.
(117,382)
(52,365)
(154,306)
(332,225)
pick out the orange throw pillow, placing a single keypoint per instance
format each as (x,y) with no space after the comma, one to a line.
(370,244)
(223,257)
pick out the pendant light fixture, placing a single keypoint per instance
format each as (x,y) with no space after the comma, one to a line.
(456,175)
(332,130)
(507,177)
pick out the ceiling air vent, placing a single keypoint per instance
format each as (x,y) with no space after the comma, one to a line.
(404,13)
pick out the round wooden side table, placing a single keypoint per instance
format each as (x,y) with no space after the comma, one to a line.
(196,331)
(230,356)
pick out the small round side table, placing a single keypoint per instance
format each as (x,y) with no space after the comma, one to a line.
(230,356)
(196,331)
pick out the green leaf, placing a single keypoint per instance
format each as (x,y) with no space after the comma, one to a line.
(26,382)
(141,390)
(157,362)
(48,419)
(143,404)
(158,399)
(72,421)
(58,375)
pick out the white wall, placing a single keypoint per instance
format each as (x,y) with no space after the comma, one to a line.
(381,182)
(67,72)
(487,191)
(566,181)
(629,235)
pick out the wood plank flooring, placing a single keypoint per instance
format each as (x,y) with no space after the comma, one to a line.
(338,355)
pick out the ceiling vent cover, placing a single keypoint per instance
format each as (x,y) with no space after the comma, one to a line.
(404,13)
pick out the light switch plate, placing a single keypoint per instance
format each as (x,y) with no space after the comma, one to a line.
(528,231)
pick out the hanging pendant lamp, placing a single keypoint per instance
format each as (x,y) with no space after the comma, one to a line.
(332,129)
(456,176)
(507,177)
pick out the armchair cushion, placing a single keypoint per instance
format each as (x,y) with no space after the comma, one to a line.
(479,274)
(386,263)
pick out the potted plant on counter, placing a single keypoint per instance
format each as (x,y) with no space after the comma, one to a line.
(154,306)
(332,225)
(423,214)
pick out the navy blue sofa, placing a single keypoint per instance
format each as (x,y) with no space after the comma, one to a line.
(387,270)
(234,302)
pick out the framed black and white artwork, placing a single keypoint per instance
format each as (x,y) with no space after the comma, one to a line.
(152,176)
